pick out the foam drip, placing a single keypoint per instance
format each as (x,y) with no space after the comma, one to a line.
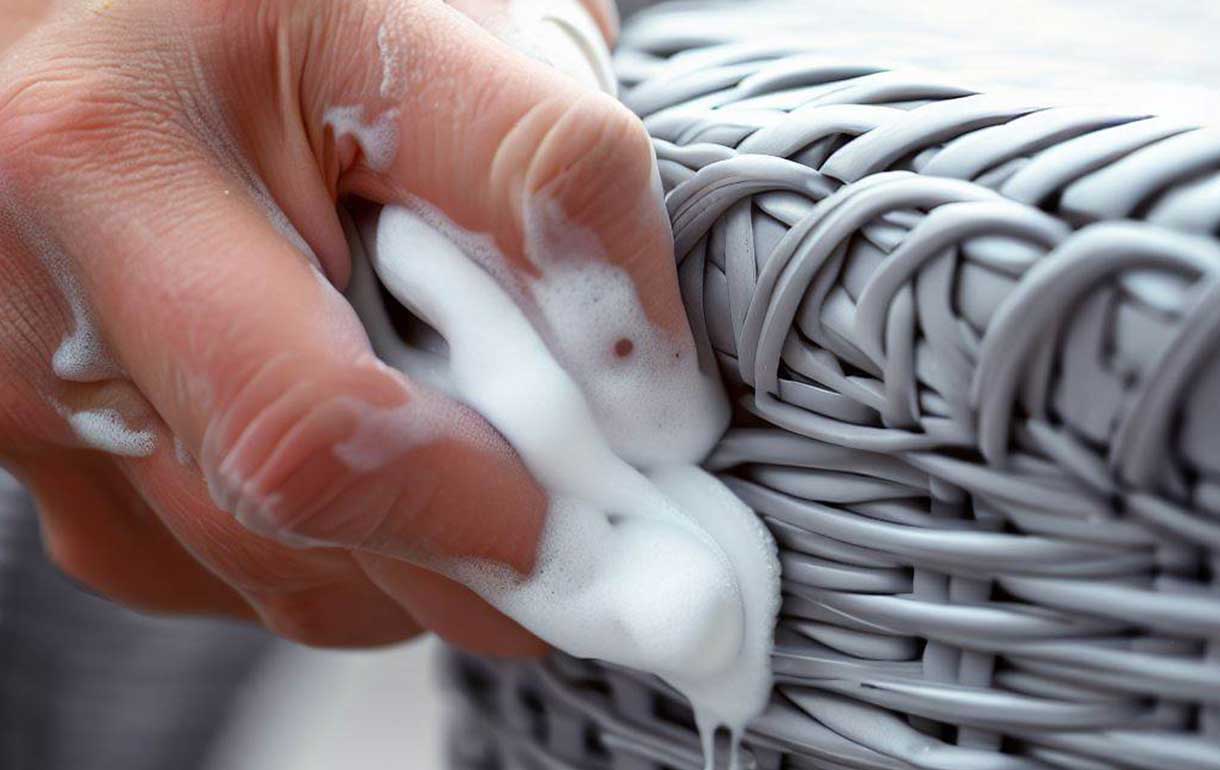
(107,431)
(652,563)
(391,64)
(82,356)
(182,454)
(378,139)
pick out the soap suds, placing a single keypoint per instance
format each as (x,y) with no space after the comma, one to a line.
(182,454)
(583,307)
(107,431)
(391,64)
(82,356)
(665,570)
(378,140)
(480,247)
(427,367)
(588,308)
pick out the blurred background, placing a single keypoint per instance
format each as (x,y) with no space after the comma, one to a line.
(86,685)
(627,7)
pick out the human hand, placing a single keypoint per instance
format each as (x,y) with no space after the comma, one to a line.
(172,342)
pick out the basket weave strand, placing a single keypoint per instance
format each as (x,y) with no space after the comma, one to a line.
(973,343)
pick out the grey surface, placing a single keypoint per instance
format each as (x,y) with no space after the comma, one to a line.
(85,685)
(629,7)
(310,709)
(973,343)
(1156,56)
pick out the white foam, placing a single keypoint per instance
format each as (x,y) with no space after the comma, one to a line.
(82,356)
(378,140)
(391,64)
(664,571)
(738,694)
(106,430)
(427,366)
(182,454)
(651,399)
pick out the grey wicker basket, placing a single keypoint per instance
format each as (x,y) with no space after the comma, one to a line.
(973,343)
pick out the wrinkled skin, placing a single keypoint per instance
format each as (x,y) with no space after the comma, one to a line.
(145,146)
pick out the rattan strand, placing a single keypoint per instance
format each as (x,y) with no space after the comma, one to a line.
(973,342)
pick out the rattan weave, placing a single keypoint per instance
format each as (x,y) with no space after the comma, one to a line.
(973,343)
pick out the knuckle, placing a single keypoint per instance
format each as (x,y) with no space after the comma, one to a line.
(316,617)
(596,144)
(31,113)
(44,106)
(67,111)
(257,486)
(300,617)
(293,461)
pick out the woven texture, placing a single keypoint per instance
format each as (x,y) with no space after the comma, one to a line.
(973,346)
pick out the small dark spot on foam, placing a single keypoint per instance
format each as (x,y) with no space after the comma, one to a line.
(623,347)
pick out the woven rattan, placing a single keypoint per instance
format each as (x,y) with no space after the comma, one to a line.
(973,344)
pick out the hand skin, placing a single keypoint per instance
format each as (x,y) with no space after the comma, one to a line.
(20,16)
(145,148)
